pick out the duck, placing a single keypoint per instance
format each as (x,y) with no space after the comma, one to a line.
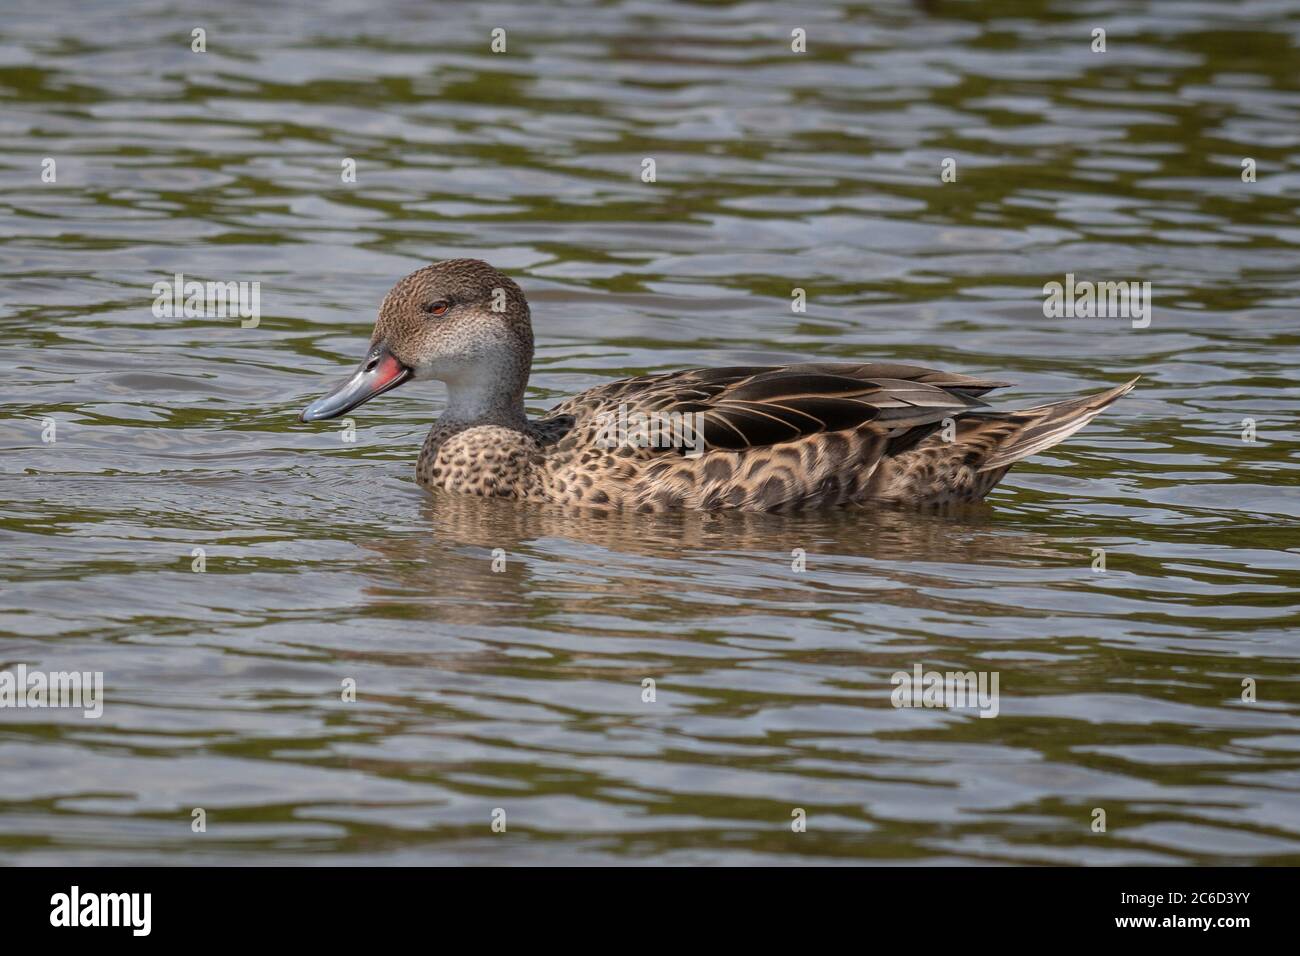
(749,438)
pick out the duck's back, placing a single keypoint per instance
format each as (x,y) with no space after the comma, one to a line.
(758,438)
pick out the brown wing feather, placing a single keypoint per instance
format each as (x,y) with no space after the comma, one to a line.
(756,406)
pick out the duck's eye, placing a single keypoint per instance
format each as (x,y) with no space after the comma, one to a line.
(435,308)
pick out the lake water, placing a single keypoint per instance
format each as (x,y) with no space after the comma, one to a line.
(521,690)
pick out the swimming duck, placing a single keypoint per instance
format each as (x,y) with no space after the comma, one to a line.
(753,438)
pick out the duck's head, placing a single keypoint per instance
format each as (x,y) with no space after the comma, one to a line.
(459,321)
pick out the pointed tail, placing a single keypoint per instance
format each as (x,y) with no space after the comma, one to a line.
(1031,430)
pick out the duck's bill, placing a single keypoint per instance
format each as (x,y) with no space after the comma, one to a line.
(379,373)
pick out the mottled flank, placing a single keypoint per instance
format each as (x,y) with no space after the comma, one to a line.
(774,437)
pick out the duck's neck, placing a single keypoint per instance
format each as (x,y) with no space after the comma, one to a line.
(489,390)
(479,401)
(458,459)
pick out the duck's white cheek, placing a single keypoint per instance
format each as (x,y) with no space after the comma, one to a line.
(444,368)
(423,373)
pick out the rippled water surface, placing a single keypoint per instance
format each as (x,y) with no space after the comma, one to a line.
(522,689)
